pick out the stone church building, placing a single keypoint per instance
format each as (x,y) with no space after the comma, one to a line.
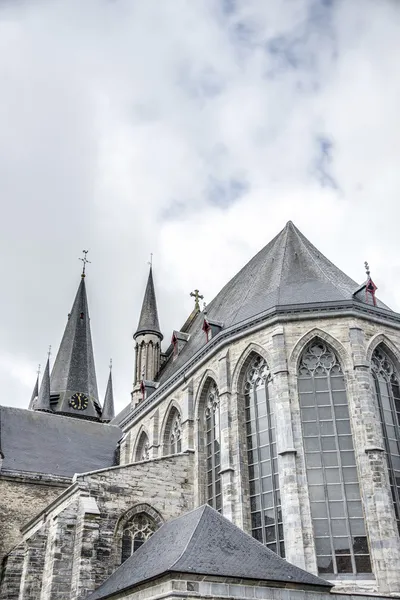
(259,456)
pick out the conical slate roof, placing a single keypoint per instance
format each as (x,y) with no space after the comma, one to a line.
(108,412)
(203,542)
(287,272)
(35,394)
(148,321)
(74,368)
(43,401)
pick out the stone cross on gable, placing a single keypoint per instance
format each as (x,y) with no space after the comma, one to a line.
(196,295)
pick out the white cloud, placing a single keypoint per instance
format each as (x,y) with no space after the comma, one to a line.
(193,130)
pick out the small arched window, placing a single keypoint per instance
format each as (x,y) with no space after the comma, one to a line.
(265,502)
(175,436)
(136,531)
(142,448)
(387,395)
(336,509)
(213,452)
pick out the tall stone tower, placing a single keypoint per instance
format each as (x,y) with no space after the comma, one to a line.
(148,339)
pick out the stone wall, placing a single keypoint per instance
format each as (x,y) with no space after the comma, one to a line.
(75,545)
(21,498)
(281,344)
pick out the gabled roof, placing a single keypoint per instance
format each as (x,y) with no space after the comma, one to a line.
(39,442)
(148,321)
(203,542)
(289,271)
(74,369)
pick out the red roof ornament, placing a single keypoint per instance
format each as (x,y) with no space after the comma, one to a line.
(370,287)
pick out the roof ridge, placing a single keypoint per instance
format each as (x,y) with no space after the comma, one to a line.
(285,230)
(306,246)
(193,532)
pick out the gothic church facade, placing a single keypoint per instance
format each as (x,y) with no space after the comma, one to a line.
(275,410)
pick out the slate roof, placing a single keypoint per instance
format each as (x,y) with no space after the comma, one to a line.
(38,442)
(35,394)
(148,321)
(286,272)
(43,399)
(203,542)
(74,368)
(108,412)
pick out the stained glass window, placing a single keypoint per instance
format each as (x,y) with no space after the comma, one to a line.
(387,395)
(265,502)
(336,508)
(213,452)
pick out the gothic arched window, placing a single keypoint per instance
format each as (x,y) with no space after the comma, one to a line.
(387,394)
(336,509)
(265,501)
(173,433)
(142,448)
(136,531)
(213,453)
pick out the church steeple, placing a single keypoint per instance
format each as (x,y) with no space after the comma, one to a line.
(43,400)
(35,394)
(108,407)
(148,339)
(73,378)
(148,321)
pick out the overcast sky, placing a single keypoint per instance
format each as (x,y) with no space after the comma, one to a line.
(193,130)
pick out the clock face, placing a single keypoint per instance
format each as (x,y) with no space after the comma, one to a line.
(79,401)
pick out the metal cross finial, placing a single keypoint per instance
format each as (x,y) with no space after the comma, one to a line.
(110,365)
(85,261)
(150,262)
(38,371)
(49,352)
(196,295)
(366,265)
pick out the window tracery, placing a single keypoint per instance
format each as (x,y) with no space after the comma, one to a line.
(138,529)
(175,442)
(213,454)
(265,502)
(387,396)
(143,448)
(336,509)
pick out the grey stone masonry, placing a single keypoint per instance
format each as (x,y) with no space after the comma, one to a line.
(374,480)
(293,534)
(32,572)
(227,471)
(10,584)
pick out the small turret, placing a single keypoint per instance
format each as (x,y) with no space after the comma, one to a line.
(43,400)
(35,394)
(108,412)
(148,339)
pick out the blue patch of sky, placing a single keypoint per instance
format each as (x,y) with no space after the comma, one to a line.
(299,48)
(323,162)
(225,193)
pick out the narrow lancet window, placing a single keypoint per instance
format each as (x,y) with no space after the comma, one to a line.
(175,440)
(387,395)
(143,448)
(336,509)
(213,453)
(265,502)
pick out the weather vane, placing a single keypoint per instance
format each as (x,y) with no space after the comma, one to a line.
(48,352)
(38,370)
(366,265)
(110,365)
(85,261)
(196,295)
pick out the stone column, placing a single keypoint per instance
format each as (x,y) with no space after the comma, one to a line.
(227,471)
(380,518)
(86,562)
(292,526)
(188,418)
(154,432)
(32,572)
(57,572)
(10,585)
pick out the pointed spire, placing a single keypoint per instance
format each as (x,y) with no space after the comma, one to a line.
(108,407)
(74,369)
(148,321)
(43,401)
(35,394)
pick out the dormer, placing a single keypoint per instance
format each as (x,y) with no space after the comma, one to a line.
(211,328)
(178,342)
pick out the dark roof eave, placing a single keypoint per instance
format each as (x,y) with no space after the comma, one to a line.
(289,310)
